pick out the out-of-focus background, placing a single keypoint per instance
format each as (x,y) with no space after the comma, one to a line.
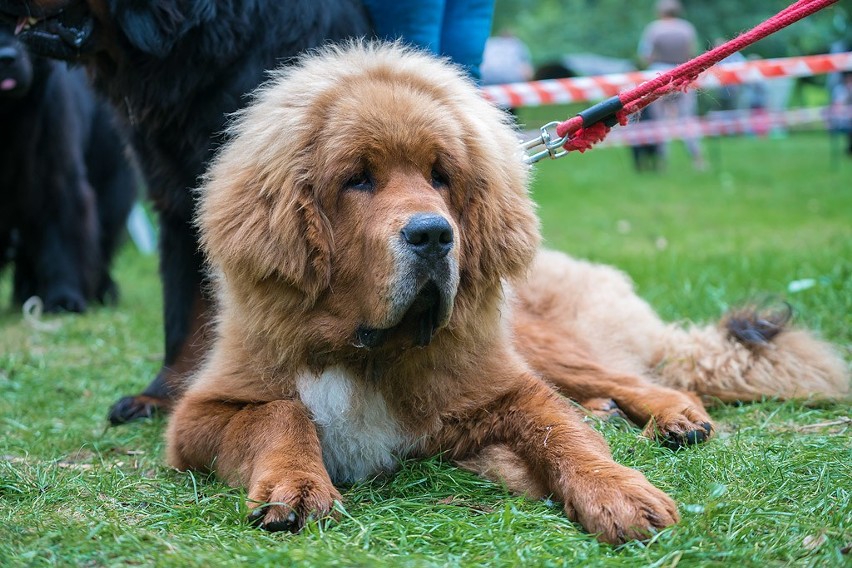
(766,212)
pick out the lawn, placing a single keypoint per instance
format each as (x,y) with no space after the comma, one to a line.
(773,488)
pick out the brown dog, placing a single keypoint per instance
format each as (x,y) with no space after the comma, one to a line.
(366,224)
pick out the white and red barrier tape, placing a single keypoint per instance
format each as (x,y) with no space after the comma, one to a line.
(577,89)
(727,123)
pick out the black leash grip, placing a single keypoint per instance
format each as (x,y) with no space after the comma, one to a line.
(604,112)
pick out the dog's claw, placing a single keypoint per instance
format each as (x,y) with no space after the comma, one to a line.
(255,517)
(289,524)
(676,441)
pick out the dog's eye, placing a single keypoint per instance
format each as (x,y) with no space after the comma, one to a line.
(439,180)
(361,181)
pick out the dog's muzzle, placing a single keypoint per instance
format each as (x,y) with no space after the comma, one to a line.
(422,297)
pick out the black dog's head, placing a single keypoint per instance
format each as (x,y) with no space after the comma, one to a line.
(73,29)
(16,68)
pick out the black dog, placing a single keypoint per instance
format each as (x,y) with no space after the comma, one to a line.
(177,68)
(66,186)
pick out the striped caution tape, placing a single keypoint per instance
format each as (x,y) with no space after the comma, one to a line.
(577,89)
(728,123)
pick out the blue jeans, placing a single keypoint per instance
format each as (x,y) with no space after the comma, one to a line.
(453,28)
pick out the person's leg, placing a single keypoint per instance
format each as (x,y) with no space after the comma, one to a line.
(687,111)
(416,22)
(660,111)
(466,26)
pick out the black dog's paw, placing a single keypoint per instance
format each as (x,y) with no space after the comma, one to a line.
(64,299)
(137,407)
(108,294)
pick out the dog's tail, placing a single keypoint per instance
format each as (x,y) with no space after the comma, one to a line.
(750,354)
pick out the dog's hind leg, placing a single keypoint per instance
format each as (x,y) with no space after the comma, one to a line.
(673,417)
(500,464)
(582,327)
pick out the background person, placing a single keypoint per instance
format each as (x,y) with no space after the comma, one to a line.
(456,29)
(667,42)
(506,60)
(728,96)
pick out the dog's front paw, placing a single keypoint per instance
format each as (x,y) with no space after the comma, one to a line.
(287,502)
(618,504)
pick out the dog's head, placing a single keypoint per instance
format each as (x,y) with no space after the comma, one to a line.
(378,186)
(16,68)
(73,29)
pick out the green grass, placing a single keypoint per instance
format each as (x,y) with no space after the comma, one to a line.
(769,491)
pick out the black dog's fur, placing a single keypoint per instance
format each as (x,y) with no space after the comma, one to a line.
(177,68)
(66,187)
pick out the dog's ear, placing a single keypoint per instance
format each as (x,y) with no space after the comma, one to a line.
(500,231)
(254,229)
(155,26)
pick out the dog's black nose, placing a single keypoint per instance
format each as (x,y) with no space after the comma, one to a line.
(430,236)
(8,54)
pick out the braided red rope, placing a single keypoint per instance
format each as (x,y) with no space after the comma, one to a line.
(583,132)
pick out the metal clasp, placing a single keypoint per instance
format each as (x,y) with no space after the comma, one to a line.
(552,146)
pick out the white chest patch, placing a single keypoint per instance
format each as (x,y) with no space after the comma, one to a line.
(358,434)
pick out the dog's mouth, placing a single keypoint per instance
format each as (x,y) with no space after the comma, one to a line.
(427,313)
(65,34)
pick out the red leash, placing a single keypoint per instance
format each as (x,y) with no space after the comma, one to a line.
(592,125)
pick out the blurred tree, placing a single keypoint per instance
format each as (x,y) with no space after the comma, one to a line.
(552,28)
